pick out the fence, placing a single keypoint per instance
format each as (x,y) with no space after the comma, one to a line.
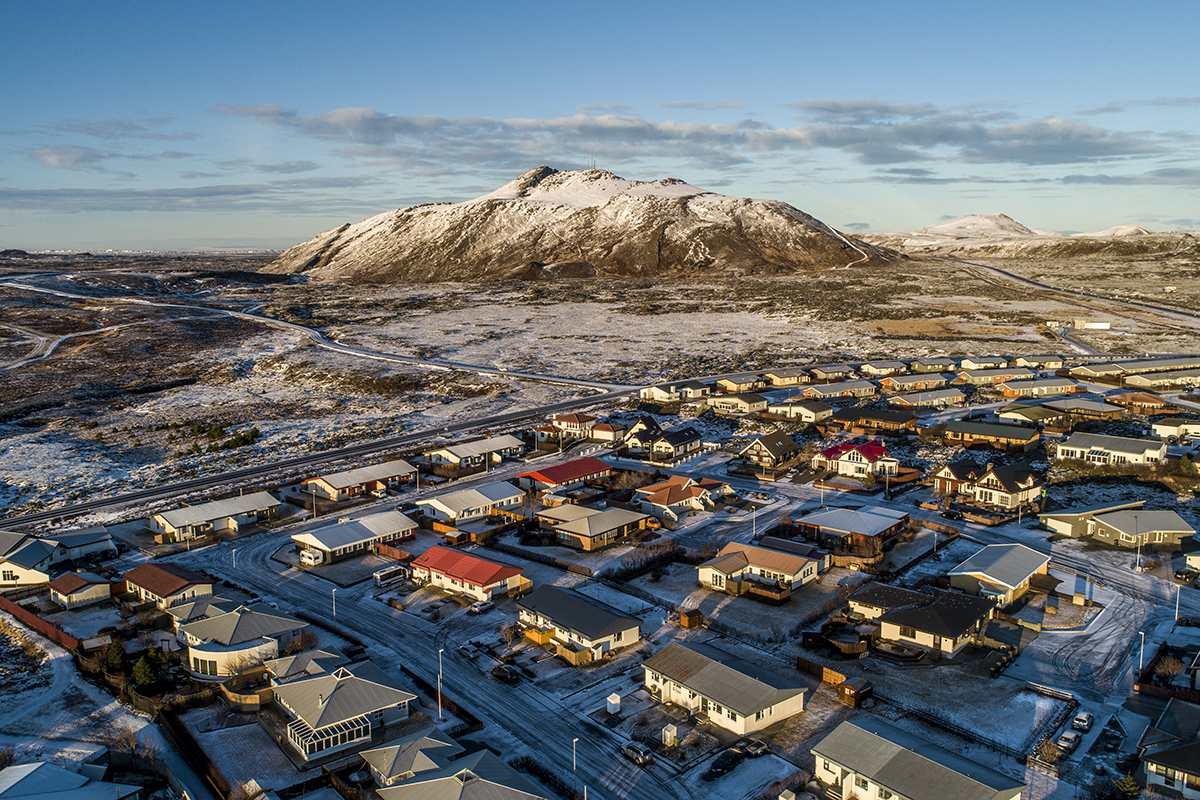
(193,753)
(40,625)
(826,674)
(156,766)
(393,552)
(541,558)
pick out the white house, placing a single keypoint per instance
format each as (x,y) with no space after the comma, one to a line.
(576,623)
(736,695)
(228,644)
(467,455)
(1174,426)
(350,537)
(78,589)
(748,403)
(469,504)
(462,573)
(801,409)
(935,398)
(879,369)
(737,564)
(857,460)
(1096,448)
(219,515)
(28,560)
(842,389)
(1001,572)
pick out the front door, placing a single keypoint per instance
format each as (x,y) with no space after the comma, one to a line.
(937,643)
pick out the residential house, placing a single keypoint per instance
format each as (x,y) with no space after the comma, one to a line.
(674,392)
(1121,524)
(346,538)
(915,383)
(1033,416)
(857,460)
(41,780)
(300,666)
(933,365)
(581,628)
(733,694)
(873,600)
(607,432)
(879,369)
(679,495)
(359,482)
(1001,572)
(800,409)
(936,398)
(79,589)
(471,455)
(1082,409)
(469,504)
(1007,487)
(770,450)
(420,752)
(1165,380)
(982,363)
(463,573)
(1170,749)
(943,626)
(1174,427)
(229,644)
(843,389)
(853,530)
(738,567)
(739,403)
(1141,403)
(1160,364)
(788,376)
(866,757)
(28,560)
(1010,438)
(870,421)
(339,711)
(1096,448)
(992,377)
(574,426)
(564,477)
(1044,387)
(958,477)
(742,382)
(1078,521)
(1094,371)
(640,434)
(831,372)
(1047,362)
(676,444)
(479,776)
(229,514)
(591,529)
(200,607)
(166,584)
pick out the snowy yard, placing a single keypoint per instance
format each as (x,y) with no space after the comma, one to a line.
(84,623)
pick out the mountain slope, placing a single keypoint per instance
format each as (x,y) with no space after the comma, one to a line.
(549,224)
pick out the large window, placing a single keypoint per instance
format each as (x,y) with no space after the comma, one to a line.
(908,633)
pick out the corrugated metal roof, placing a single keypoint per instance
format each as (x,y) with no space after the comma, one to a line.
(219,509)
(568,472)
(723,678)
(488,494)
(375,472)
(464,566)
(1007,564)
(478,776)
(310,662)
(482,446)
(356,531)
(599,524)
(1142,522)
(343,695)
(243,624)
(866,521)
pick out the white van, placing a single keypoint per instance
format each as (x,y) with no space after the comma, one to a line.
(312,558)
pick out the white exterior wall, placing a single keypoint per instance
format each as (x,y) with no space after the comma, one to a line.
(186,596)
(671,692)
(227,661)
(93,593)
(947,646)
(1189,788)
(14,575)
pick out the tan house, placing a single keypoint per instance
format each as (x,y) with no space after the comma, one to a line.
(742,382)
(922,382)
(471,455)
(1048,362)
(879,369)
(999,572)
(229,514)
(1010,438)
(1046,387)
(933,365)
(988,362)
(166,584)
(579,628)
(842,389)
(463,573)
(607,432)
(359,482)
(993,377)
(229,644)
(739,403)
(578,426)
(679,495)
(738,566)
(1007,487)
(789,376)
(800,409)
(79,589)
(934,398)
(770,450)
(592,529)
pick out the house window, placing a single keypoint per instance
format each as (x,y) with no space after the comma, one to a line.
(9,575)
(908,633)
(884,794)
(826,767)
(861,782)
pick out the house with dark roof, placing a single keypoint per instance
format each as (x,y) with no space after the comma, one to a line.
(1006,487)
(943,626)
(565,476)
(1081,409)
(79,589)
(676,444)
(952,478)
(873,600)
(423,751)
(933,365)
(478,776)
(579,628)
(228,644)
(870,421)
(1000,572)
(1170,749)
(166,584)
(28,560)
(1142,403)
(866,757)
(41,780)
(575,425)
(640,434)
(463,573)
(680,495)
(770,450)
(339,711)
(1010,438)
(729,692)
(1037,416)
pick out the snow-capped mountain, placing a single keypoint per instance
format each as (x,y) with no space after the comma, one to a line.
(1000,236)
(576,224)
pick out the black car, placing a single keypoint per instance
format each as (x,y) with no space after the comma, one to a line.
(1185,575)
(952,514)
(505,673)
(727,761)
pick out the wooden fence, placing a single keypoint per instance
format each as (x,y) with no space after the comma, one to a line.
(40,625)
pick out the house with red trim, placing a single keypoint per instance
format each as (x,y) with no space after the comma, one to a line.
(565,476)
(463,573)
(857,460)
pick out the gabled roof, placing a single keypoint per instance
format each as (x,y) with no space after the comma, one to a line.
(1014,477)
(344,533)
(1114,444)
(342,695)
(750,398)
(574,611)
(866,521)
(678,436)
(1141,522)
(27,551)
(677,488)
(481,447)
(165,579)
(919,377)
(994,430)
(909,766)
(418,752)
(374,472)
(800,402)
(723,678)
(219,509)
(475,497)
(206,605)
(763,557)
(777,445)
(877,415)
(1006,564)
(568,472)
(871,451)
(243,624)
(573,419)
(71,582)
(44,781)
(1069,404)
(930,396)
(950,615)
(1174,739)
(478,776)
(600,523)
(963,471)
(464,566)
(1040,383)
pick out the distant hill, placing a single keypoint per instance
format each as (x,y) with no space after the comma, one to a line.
(1000,236)
(575,224)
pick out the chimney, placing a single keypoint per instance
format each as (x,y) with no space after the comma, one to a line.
(320,699)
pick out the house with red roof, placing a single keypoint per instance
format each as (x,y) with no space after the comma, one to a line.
(463,573)
(574,425)
(565,476)
(167,585)
(78,589)
(857,460)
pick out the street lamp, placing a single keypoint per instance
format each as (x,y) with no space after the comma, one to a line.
(573,741)
(1137,539)
(235,558)
(440,718)
(1141,653)
(333,594)
(1178,586)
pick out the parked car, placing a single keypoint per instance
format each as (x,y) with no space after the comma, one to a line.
(481,607)
(1068,742)
(379,494)
(468,651)
(726,761)
(505,673)
(755,748)
(1186,575)
(952,514)
(1083,721)
(638,753)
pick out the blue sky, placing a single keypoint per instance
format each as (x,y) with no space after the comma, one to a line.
(192,126)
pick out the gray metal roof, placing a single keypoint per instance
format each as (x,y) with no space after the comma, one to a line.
(867,521)
(594,525)
(1007,564)
(342,695)
(219,509)
(1081,404)
(374,472)
(827,389)
(723,678)
(476,497)
(44,781)
(243,624)
(1081,511)
(30,552)
(482,446)
(910,766)
(479,776)
(423,751)
(310,662)
(1114,444)
(577,612)
(933,395)
(998,431)
(345,533)
(1141,522)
